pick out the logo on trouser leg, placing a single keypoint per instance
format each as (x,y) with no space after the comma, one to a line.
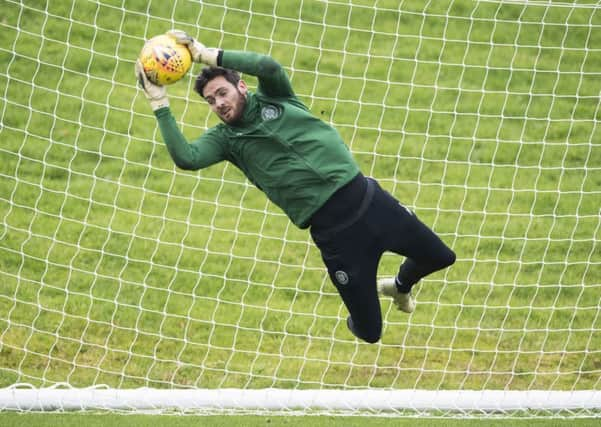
(341,277)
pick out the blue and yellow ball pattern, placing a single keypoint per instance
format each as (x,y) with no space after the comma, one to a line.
(164,60)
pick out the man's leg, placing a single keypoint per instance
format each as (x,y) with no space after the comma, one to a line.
(355,281)
(403,233)
(352,267)
(424,255)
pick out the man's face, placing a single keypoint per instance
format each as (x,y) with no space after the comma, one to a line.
(225,99)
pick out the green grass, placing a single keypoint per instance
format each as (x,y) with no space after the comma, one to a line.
(117,269)
(105,420)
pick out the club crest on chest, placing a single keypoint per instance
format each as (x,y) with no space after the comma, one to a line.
(270,112)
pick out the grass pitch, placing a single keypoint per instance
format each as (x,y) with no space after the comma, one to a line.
(118,269)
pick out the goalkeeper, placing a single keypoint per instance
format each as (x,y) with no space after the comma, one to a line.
(304,167)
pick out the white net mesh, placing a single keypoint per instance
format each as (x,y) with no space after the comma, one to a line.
(118,270)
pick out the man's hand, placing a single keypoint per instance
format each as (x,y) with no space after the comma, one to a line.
(156,95)
(199,52)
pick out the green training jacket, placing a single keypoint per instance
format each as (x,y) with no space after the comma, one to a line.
(296,159)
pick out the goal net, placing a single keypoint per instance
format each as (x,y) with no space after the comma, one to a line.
(127,284)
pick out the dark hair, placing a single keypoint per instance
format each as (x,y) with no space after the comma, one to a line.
(209,73)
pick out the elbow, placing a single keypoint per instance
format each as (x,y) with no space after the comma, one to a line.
(269,66)
(184,164)
(182,156)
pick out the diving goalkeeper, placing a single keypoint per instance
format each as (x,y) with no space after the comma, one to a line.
(304,167)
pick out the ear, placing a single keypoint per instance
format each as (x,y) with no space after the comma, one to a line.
(242,87)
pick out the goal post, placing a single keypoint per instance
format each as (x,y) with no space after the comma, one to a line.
(128,284)
(389,402)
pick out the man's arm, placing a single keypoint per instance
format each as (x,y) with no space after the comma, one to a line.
(201,153)
(273,80)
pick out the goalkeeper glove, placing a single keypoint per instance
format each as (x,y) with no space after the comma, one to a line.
(199,52)
(156,95)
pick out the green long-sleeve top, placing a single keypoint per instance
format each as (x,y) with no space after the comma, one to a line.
(296,159)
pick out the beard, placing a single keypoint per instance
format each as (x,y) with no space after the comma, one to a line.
(234,114)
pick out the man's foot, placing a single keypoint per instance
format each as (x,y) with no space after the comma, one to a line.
(403,301)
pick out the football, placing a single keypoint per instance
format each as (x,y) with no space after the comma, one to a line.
(164,60)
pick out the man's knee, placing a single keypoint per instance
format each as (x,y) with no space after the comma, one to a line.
(447,258)
(441,257)
(370,334)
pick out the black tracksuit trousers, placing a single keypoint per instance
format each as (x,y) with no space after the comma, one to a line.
(354,228)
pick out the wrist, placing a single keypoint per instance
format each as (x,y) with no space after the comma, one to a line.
(162,112)
(211,56)
(157,104)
